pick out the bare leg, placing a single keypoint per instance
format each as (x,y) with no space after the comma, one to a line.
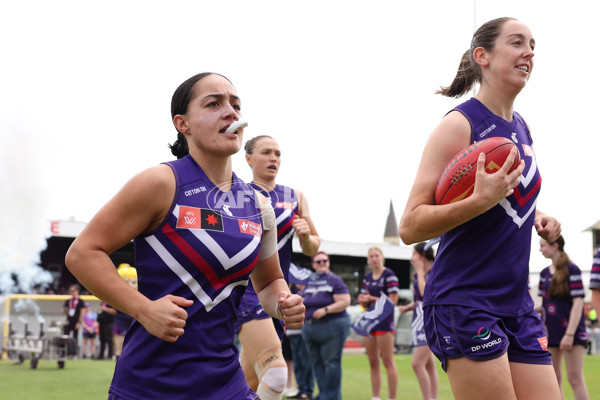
(385,343)
(424,367)
(557,365)
(574,364)
(534,381)
(373,356)
(258,337)
(475,380)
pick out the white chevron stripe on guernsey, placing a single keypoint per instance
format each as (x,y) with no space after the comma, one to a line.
(188,279)
(526,180)
(513,214)
(281,242)
(284,215)
(226,261)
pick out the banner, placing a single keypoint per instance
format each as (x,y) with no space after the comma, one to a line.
(382,309)
(299,275)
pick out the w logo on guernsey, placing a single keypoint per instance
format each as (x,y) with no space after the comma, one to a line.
(199,218)
(483,333)
(210,271)
(525,195)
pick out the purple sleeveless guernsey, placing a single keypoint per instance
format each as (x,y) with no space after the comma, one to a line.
(204,250)
(557,311)
(387,283)
(284,202)
(595,275)
(484,263)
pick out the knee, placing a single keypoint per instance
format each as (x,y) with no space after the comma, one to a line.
(271,369)
(575,379)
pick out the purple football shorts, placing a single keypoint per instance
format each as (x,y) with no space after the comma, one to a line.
(250,309)
(455,332)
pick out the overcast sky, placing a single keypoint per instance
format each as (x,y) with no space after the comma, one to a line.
(346,87)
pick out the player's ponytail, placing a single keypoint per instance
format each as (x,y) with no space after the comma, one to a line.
(467,75)
(469,72)
(180,148)
(559,285)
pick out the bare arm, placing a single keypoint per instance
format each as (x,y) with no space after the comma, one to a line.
(274,294)
(422,219)
(340,303)
(305,228)
(409,307)
(138,207)
(575,316)
(596,299)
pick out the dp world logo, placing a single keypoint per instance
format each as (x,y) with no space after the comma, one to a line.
(483,333)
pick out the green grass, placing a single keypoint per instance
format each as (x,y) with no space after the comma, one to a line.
(89,380)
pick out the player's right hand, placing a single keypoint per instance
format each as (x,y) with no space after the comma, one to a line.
(165,318)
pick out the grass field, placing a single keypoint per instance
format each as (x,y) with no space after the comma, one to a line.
(89,380)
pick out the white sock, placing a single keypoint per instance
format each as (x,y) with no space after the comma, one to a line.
(375,398)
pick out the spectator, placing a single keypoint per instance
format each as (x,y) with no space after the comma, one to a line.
(326,326)
(423,361)
(303,371)
(380,342)
(73,310)
(123,321)
(90,330)
(106,320)
(562,295)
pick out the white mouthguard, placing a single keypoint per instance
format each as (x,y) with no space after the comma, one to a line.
(236,125)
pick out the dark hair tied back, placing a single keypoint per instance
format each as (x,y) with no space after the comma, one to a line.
(427,253)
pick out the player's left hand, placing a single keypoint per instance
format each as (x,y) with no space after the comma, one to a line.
(291,310)
(301,228)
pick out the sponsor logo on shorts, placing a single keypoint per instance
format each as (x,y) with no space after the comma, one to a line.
(487,345)
(543,342)
(483,333)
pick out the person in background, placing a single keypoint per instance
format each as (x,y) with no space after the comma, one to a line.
(199,235)
(106,320)
(562,293)
(90,330)
(595,282)
(479,317)
(423,360)
(327,325)
(286,349)
(123,321)
(73,309)
(380,344)
(303,371)
(259,335)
